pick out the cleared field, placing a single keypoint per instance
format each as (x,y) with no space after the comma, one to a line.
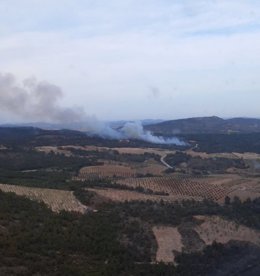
(231,155)
(158,151)
(248,188)
(214,188)
(106,171)
(212,228)
(125,195)
(56,150)
(150,168)
(247,155)
(161,152)
(205,155)
(168,240)
(215,228)
(57,200)
(123,150)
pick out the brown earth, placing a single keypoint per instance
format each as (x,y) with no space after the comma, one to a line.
(168,240)
(215,228)
(57,200)
(105,171)
(205,187)
(56,150)
(211,228)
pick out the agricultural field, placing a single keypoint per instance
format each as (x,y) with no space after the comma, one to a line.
(209,229)
(215,228)
(158,151)
(247,189)
(150,174)
(53,149)
(139,205)
(106,171)
(134,151)
(213,188)
(112,170)
(169,242)
(205,155)
(57,200)
(149,167)
(126,195)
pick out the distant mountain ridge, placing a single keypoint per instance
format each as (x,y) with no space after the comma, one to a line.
(199,125)
(81,126)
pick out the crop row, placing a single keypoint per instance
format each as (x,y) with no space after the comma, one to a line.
(110,171)
(178,186)
(57,200)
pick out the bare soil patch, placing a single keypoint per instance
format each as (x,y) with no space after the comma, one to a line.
(169,241)
(215,228)
(158,151)
(56,150)
(248,188)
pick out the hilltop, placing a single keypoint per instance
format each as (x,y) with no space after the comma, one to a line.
(207,125)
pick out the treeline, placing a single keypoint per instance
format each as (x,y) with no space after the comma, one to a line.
(246,213)
(23,166)
(114,155)
(204,165)
(29,159)
(35,240)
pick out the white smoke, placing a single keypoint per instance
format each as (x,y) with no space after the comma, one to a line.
(135,130)
(33,101)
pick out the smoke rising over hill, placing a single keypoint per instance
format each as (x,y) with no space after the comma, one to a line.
(34,101)
(135,130)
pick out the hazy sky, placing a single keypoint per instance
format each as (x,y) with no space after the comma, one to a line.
(134,59)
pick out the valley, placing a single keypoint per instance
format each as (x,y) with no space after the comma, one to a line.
(167,203)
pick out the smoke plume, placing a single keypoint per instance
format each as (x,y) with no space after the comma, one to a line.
(34,101)
(135,130)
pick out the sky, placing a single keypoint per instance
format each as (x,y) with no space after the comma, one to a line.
(137,59)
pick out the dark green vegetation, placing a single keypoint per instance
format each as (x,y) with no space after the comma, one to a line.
(212,143)
(115,241)
(213,134)
(247,213)
(203,165)
(118,239)
(24,166)
(206,125)
(114,155)
(206,142)
(28,167)
(30,136)
(33,239)
(233,258)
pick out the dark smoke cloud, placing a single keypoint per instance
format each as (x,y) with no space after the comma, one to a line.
(34,101)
